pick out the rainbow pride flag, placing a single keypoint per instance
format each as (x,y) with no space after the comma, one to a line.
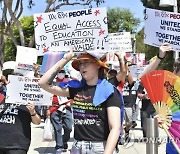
(49,59)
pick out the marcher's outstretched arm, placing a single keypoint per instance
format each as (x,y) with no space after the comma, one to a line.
(154,64)
(121,75)
(46,81)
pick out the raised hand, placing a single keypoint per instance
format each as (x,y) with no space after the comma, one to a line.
(69,55)
(163,49)
(159,119)
(119,55)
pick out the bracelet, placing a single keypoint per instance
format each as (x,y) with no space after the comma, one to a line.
(161,58)
(32,115)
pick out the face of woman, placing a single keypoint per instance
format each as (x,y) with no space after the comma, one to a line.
(88,69)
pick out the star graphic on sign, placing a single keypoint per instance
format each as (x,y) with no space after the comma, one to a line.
(96,12)
(101,32)
(39,19)
(45,50)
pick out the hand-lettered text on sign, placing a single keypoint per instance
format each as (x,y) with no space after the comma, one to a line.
(85,30)
(165,28)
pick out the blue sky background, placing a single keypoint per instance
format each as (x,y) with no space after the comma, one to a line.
(135,6)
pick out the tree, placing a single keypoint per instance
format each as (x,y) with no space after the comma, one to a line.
(27,23)
(12,11)
(154,4)
(121,20)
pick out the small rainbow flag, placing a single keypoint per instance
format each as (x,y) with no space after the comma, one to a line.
(49,59)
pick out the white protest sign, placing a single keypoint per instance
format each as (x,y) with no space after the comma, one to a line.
(111,58)
(139,59)
(26,55)
(161,27)
(136,71)
(120,42)
(85,30)
(24,89)
(9,65)
(24,69)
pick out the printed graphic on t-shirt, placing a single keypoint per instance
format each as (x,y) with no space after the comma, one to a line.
(8,116)
(82,111)
(126,89)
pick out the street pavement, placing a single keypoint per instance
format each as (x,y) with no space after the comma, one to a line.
(137,145)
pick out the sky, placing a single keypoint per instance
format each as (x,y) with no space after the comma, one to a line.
(135,7)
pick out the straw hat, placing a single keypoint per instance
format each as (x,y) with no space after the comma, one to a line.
(87,56)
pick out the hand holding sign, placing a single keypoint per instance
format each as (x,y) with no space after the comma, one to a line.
(69,55)
(31,108)
(163,48)
(119,55)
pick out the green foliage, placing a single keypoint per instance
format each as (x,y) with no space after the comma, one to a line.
(121,20)
(154,4)
(10,51)
(28,29)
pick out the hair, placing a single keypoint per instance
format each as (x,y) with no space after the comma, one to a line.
(112,72)
(62,71)
(101,73)
(177,65)
(18,74)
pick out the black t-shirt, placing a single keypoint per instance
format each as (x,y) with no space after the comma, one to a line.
(146,103)
(90,122)
(15,128)
(129,94)
(114,81)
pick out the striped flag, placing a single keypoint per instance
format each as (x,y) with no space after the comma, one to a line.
(49,59)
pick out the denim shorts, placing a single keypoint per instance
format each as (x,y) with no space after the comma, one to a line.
(88,147)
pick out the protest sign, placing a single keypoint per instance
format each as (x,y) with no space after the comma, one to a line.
(136,58)
(85,30)
(120,42)
(24,69)
(9,65)
(25,58)
(132,58)
(161,27)
(136,71)
(111,58)
(26,55)
(24,89)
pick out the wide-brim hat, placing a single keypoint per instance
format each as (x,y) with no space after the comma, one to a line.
(87,56)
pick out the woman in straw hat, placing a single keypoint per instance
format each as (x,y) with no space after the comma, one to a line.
(96,104)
